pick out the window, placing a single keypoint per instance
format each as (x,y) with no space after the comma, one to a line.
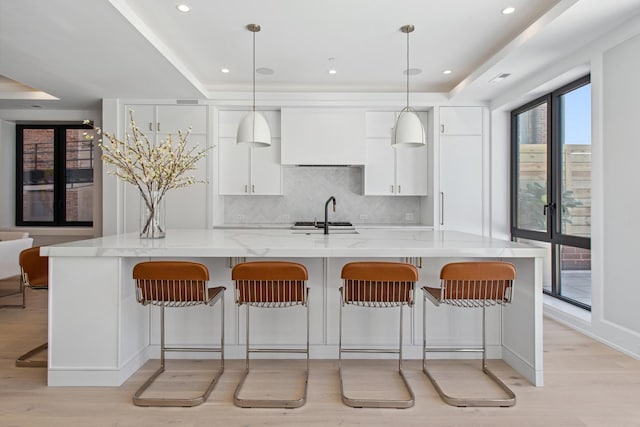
(54,175)
(551,185)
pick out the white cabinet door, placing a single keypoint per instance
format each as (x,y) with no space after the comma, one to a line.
(411,171)
(172,118)
(187,206)
(266,171)
(144,116)
(392,171)
(323,136)
(461,183)
(233,167)
(379,169)
(461,120)
(168,119)
(243,170)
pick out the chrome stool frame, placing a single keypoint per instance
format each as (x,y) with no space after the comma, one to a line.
(34,271)
(21,290)
(271,284)
(177,284)
(377,285)
(471,285)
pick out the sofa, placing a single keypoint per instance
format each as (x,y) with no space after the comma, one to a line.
(11,244)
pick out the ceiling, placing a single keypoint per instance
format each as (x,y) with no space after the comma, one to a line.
(71,54)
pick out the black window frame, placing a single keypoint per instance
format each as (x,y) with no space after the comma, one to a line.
(60,176)
(553,235)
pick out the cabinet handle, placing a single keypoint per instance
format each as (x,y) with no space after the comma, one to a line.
(441,128)
(399,189)
(158,126)
(150,126)
(253,188)
(392,189)
(246,188)
(441,208)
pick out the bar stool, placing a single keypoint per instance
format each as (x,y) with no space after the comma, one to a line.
(377,285)
(34,274)
(471,285)
(177,284)
(271,284)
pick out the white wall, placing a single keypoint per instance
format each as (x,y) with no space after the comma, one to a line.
(621,204)
(42,235)
(7,173)
(614,64)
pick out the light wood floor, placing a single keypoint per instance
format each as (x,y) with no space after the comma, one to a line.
(586,384)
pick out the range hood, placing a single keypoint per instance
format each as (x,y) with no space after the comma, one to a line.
(323,136)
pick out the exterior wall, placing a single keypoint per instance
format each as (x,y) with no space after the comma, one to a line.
(614,63)
(43,235)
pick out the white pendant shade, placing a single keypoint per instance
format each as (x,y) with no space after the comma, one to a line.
(408,131)
(254,130)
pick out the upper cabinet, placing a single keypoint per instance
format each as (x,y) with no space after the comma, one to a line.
(244,170)
(392,171)
(168,119)
(460,120)
(323,136)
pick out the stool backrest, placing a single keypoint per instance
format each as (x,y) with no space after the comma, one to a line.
(35,268)
(171,283)
(380,284)
(270,283)
(482,281)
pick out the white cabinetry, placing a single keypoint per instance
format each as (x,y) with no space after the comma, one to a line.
(461,169)
(245,170)
(392,171)
(461,120)
(323,136)
(168,119)
(187,206)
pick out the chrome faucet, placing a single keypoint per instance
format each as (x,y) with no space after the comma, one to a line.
(326,213)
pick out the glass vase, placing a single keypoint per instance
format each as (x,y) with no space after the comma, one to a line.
(152,216)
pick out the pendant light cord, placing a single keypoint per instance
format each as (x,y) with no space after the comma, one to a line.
(254,71)
(407,70)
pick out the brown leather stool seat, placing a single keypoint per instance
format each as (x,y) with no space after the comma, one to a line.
(177,284)
(471,284)
(377,285)
(271,284)
(34,274)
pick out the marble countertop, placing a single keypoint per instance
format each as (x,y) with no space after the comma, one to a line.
(289,225)
(285,243)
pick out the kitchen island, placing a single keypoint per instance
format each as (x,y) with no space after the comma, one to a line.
(99,335)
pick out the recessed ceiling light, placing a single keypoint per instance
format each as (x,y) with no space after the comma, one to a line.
(447,72)
(412,71)
(332,71)
(508,10)
(224,70)
(183,8)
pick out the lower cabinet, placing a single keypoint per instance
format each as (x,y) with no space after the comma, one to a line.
(361,326)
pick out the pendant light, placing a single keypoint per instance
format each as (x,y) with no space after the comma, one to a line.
(408,131)
(253,128)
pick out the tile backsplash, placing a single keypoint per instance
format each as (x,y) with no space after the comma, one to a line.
(306,190)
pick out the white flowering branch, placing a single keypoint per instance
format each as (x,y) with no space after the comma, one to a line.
(153,169)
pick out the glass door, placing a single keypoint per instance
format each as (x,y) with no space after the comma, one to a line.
(551,186)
